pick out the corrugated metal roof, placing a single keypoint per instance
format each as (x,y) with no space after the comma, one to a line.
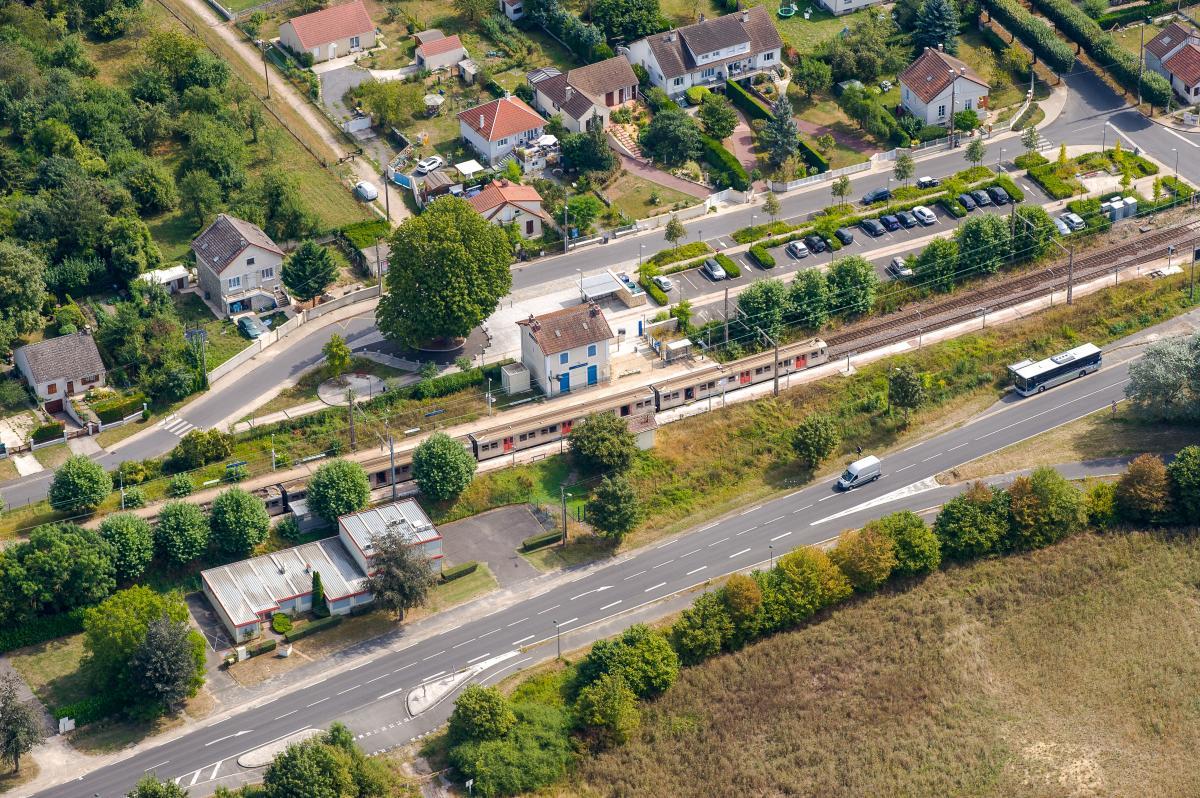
(407,516)
(249,587)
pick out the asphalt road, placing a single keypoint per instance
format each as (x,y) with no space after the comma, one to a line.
(370,699)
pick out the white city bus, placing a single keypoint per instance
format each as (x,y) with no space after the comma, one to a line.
(1034,377)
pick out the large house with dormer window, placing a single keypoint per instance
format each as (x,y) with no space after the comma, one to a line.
(710,52)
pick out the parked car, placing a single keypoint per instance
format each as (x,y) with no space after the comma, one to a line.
(860,472)
(427,165)
(815,243)
(797,249)
(966,201)
(999,195)
(251,327)
(872,226)
(713,270)
(907,219)
(981,197)
(844,235)
(890,222)
(899,269)
(1063,230)
(924,215)
(878,195)
(1074,221)
(928,182)
(366,191)
(664,283)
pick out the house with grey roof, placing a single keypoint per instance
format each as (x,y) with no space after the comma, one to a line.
(586,95)
(238,267)
(736,46)
(567,349)
(246,594)
(61,367)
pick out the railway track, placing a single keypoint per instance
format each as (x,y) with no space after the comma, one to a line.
(969,304)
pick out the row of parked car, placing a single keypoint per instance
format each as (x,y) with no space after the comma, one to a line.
(981,198)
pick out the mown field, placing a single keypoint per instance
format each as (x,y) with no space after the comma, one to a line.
(1070,671)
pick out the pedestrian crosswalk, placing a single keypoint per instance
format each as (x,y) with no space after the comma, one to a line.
(176,425)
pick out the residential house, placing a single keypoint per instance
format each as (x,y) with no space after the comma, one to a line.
(567,349)
(238,266)
(513,9)
(585,95)
(840,7)
(503,203)
(1175,54)
(732,47)
(937,85)
(440,53)
(60,367)
(494,129)
(246,594)
(330,32)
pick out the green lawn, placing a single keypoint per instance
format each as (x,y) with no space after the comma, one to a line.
(224,338)
(631,195)
(51,670)
(305,390)
(1131,37)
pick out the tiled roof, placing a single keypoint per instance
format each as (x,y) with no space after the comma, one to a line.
(1168,39)
(599,78)
(1185,65)
(763,33)
(753,26)
(226,238)
(716,34)
(574,104)
(439,46)
(501,118)
(931,73)
(406,517)
(568,328)
(67,357)
(331,24)
(499,193)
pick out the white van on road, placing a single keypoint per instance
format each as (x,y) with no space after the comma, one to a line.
(860,472)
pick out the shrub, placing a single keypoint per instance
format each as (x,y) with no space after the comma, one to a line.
(364,234)
(1142,491)
(480,713)
(866,556)
(1089,209)
(441,467)
(687,251)
(288,529)
(1184,475)
(79,485)
(312,627)
(180,486)
(810,156)
(115,409)
(973,524)
(91,709)
(47,432)
(815,438)
(640,655)
(696,94)
(39,629)
(726,169)
(702,630)
(1030,160)
(1047,177)
(730,266)
(281,623)
(1005,182)
(917,549)
(762,257)
(134,498)
(459,571)
(265,646)
(747,102)
(1043,508)
(654,292)
(1100,501)
(540,541)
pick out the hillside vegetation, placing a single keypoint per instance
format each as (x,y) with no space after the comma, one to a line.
(1066,671)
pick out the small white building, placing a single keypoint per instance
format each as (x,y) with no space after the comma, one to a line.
(330,32)
(436,53)
(1175,54)
(567,349)
(513,9)
(359,530)
(936,85)
(173,278)
(494,129)
(840,7)
(732,47)
(60,367)
(238,266)
(503,203)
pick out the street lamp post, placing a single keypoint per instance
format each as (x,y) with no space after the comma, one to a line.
(1176,151)
(1142,59)
(771,547)
(641,254)
(1000,162)
(558,638)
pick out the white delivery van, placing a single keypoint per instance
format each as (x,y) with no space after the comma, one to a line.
(860,472)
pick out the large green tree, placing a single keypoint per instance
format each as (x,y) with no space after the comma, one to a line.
(1033,232)
(613,508)
(852,285)
(717,116)
(627,20)
(603,442)
(917,549)
(671,138)
(441,467)
(763,305)
(866,556)
(984,243)
(808,299)
(703,630)
(200,196)
(1184,474)
(182,532)
(79,485)
(1143,491)
(22,288)
(781,136)
(338,487)
(132,543)
(168,666)
(309,271)
(60,567)
(448,269)
(607,710)
(803,582)
(480,713)
(815,438)
(402,577)
(150,787)
(238,522)
(937,26)
(20,727)
(906,388)
(1043,509)
(812,75)
(973,524)
(311,769)
(641,656)
(937,265)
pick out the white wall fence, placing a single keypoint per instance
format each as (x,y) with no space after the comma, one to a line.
(791,185)
(100,426)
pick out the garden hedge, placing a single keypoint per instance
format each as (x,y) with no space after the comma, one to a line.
(91,709)
(813,158)
(1047,177)
(261,648)
(654,291)
(1030,160)
(696,94)
(1130,14)
(1033,33)
(47,432)
(747,102)
(40,629)
(115,409)
(312,627)
(459,571)
(762,257)
(364,234)
(540,541)
(726,170)
(730,266)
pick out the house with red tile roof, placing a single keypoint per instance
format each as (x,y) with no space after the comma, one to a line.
(936,86)
(1175,54)
(494,129)
(567,349)
(503,203)
(330,32)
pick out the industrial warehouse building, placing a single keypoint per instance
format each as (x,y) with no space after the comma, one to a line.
(246,594)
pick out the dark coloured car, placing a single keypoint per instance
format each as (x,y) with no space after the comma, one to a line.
(928,182)
(814,243)
(907,220)
(999,195)
(844,235)
(981,197)
(966,201)
(251,327)
(890,222)
(878,195)
(872,226)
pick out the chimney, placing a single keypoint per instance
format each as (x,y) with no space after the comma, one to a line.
(940,47)
(593,310)
(568,93)
(746,16)
(481,121)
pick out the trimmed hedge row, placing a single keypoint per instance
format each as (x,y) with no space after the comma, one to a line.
(1030,160)
(1177,187)
(41,629)
(747,102)
(1005,182)
(726,172)
(540,541)
(47,432)
(459,571)
(118,407)
(813,158)
(654,291)
(1105,51)
(264,647)
(312,627)
(91,709)
(1047,177)
(762,257)
(745,235)
(1033,33)
(730,266)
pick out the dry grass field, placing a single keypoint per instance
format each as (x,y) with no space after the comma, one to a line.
(1067,672)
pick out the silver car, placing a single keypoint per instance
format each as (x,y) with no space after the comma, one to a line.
(663,283)
(713,270)
(1073,221)
(924,215)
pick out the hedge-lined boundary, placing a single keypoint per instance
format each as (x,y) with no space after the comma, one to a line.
(762,257)
(813,158)
(730,266)
(540,541)
(1033,33)
(115,409)
(459,571)
(47,432)
(747,102)
(312,627)
(1139,13)
(726,172)
(264,647)
(41,629)
(91,709)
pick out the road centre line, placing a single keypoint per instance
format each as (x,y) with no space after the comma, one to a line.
(798,509)
(777,537)
(773,520)
(669,542)
(431,656)
(463,643)
(751,529)
(631,576)
(689,554)
(952,448)
(167,761)
(543,612)
(485,634)
(738,554)
(827,498)
(655,587)
(905,468)
(931,457)
(318,701)
(1052,409)
(514,623)
(696,570)
(368,681)
(406,667)
(715,542)
(348,689)
(661,564)
(564,623)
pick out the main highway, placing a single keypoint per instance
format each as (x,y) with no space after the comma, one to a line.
(370,696)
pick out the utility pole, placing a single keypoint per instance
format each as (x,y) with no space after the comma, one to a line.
(1192,287)
(350,408)
(562,495)
(266,74)
(489,396)
(775,368)
(1141,61)
(378,262)
(392,462)
(726,315)
(566,231)
(387,200)
(1070,274)
(953,92)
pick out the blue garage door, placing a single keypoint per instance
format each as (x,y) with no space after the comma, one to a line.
(593,375)
(564,382)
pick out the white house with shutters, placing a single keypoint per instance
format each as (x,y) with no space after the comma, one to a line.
(567,349)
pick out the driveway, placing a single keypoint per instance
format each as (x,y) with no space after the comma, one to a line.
(334,85)
(493,538)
